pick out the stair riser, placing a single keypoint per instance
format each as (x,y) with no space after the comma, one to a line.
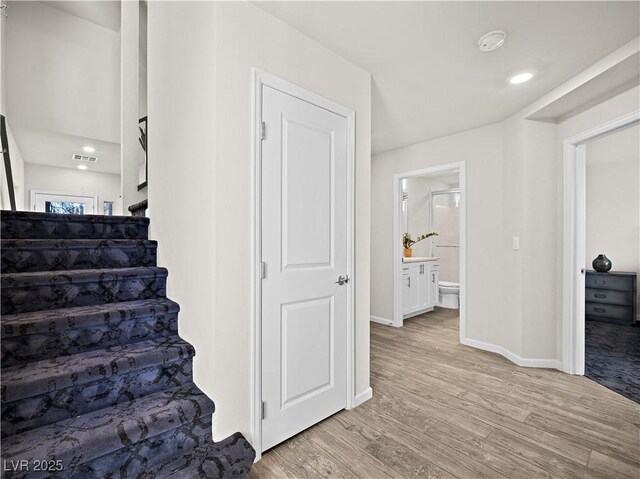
(130,462)
(61,292)
(36,347)
(69,228)
(25,414)
(23,260)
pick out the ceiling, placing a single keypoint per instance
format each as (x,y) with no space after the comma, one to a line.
(101,12)
(55,149)
(612,82)
(428,77)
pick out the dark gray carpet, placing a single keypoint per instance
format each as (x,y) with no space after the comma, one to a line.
(613,357)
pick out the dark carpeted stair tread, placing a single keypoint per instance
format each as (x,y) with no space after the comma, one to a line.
(29,224)
(36,278)
(49,375)
(24,292)
(74,243)
(39,335)
(81,439)
(136,460)
(59,320)
(230,458)
(26,255)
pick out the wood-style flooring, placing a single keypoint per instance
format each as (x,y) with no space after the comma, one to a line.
(443,410)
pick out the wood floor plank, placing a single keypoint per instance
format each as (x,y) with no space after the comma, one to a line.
(433,450)
(479,449)
(444,410)
(542,457)
(609,465)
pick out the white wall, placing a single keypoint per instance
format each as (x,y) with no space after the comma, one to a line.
(613,199)
(201,196)
(105,186)
(130,150)
(482,150)
(63,73)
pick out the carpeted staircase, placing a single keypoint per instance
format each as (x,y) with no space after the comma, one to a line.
(96,382)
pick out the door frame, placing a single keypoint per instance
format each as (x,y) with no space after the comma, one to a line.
(397,240)
(260,79)
(33,193)
(574,240)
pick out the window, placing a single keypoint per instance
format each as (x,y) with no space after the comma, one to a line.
(65,207)
(107,207)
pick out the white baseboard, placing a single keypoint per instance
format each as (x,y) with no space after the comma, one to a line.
(514,358)
(362,397)
(378,319)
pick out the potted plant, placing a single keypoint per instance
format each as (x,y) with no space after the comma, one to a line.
(407,242)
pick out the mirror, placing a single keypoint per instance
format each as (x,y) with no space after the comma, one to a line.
(418,210)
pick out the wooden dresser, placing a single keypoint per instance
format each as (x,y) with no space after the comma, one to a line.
(611,297)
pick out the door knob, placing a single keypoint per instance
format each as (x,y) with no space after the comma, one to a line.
(342,279)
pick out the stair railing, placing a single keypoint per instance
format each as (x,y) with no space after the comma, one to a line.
(7,162)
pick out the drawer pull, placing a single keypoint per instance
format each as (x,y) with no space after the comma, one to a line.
(600,296)
(599,310)
(601,282)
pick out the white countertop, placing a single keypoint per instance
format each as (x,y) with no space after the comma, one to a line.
(420,259)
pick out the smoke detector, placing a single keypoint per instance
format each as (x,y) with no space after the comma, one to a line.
(87,158)
(492,41)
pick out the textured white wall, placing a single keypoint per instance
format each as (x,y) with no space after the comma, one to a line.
(200,57)
(613,199)
(63,73)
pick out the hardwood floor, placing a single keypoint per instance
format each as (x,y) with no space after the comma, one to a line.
(443,410)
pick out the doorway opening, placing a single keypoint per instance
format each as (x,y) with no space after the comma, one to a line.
(574,249)
(433,274)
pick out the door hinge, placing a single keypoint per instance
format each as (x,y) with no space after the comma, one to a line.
(263,270)
(263,130)
(264,408)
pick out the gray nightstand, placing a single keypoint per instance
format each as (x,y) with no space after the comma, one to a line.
(611,297)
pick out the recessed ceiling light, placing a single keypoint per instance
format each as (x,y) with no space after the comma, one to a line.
(89,149)
(83,167)
(492,41)
(521,78)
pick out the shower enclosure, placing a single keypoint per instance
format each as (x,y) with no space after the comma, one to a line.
(445,219)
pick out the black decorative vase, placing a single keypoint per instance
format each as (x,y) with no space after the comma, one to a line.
(601,264)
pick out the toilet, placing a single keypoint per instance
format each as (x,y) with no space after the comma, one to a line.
(449,294)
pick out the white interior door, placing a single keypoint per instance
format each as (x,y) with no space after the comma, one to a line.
(63,203)
(305,250)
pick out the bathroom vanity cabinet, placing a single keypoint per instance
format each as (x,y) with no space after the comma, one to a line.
(419,285)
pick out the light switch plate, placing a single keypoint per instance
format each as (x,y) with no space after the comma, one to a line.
(516,243)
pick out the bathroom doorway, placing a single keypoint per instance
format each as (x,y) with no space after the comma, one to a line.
(426,201)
